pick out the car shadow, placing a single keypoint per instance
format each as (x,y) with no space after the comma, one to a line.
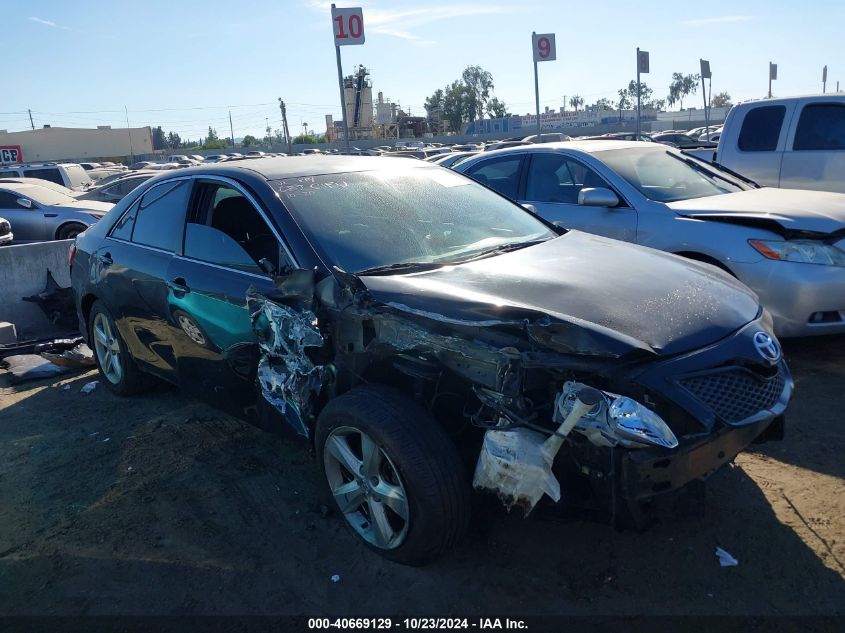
(160,504)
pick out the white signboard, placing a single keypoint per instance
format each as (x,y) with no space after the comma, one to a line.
(348,26)
(544,47)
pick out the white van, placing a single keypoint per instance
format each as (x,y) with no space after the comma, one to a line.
(795,142)
(68,175)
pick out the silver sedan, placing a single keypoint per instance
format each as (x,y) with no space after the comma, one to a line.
(786,245)
(39,213)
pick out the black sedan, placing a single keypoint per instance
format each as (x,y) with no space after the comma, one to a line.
(413,325)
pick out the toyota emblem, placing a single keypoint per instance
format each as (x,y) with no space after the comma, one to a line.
(767,347)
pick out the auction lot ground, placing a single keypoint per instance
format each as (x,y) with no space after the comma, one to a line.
(160,504)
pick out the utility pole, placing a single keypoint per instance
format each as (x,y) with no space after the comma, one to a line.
(285,124)
(129,132)
(30,119)
(231,129)
(642,68)
(824,80)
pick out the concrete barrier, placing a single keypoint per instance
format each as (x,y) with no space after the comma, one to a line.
(23,272)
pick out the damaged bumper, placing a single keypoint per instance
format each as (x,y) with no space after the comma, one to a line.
(647,473)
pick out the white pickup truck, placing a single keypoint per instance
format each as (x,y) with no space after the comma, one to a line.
(795,142)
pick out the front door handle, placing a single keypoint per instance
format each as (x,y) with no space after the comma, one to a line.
(179,285)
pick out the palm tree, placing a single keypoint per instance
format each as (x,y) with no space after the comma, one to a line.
(576,101)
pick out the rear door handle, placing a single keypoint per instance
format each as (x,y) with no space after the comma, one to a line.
(179,285)
(105,259)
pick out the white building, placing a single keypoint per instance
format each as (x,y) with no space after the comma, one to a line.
(64,143)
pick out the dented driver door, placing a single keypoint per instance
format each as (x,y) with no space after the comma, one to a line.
(228,249)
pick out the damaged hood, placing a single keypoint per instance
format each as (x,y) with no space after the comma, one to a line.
(603,296)
(793,210)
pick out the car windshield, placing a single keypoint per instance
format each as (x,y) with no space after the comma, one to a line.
(366,220)
(668,176)
(45,196)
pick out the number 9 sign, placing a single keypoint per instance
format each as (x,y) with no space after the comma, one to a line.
(348,26)
(544,47)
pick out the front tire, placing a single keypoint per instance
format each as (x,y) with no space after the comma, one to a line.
(117,367)
(395,476)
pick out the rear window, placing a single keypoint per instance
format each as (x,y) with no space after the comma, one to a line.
(52,174)
(821,126)
(761,129)
(161,216)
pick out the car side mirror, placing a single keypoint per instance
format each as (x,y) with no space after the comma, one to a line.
(597,197)
(529,207)
(26,203)
(267,266)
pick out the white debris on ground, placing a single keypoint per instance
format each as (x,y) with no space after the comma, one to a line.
(88,387)
(725,559)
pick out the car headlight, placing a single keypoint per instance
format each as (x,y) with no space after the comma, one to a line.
(616,420)
(803,251)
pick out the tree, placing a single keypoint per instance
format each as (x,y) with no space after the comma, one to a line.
(496,108)
(478,84)
(624,101)
(159,138)
(454,105)
(248,140)
(306,139)
(604,104)
(682,86)
(721,100)
(212,135)
(173,140)
(576,101)
(434,103)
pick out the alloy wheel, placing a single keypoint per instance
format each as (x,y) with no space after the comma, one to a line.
(366,487)
(107,348)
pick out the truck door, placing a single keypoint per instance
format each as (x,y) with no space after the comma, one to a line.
(756,150)
(815,153)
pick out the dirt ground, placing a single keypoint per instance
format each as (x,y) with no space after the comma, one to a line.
(162,505)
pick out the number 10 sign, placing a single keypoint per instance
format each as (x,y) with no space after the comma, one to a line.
(348,26)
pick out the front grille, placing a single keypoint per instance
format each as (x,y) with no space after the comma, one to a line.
(736,394)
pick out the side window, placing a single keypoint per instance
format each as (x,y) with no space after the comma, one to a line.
(8,200)
(500,174)
(761,129)
(161,215)
(224,228)
(122,230)
(555,178)
(9,174)
(53,175)
(821,126)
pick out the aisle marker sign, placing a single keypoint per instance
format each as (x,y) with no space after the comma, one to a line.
(544,47)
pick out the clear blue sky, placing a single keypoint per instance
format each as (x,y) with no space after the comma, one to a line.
(182,64)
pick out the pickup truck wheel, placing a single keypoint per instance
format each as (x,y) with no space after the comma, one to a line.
(118,369)
(395,476)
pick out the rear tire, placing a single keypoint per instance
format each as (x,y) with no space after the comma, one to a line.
(117,367)
(70,231)
(411,458)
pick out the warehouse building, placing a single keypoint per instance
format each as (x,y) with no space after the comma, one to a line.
(77,144)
